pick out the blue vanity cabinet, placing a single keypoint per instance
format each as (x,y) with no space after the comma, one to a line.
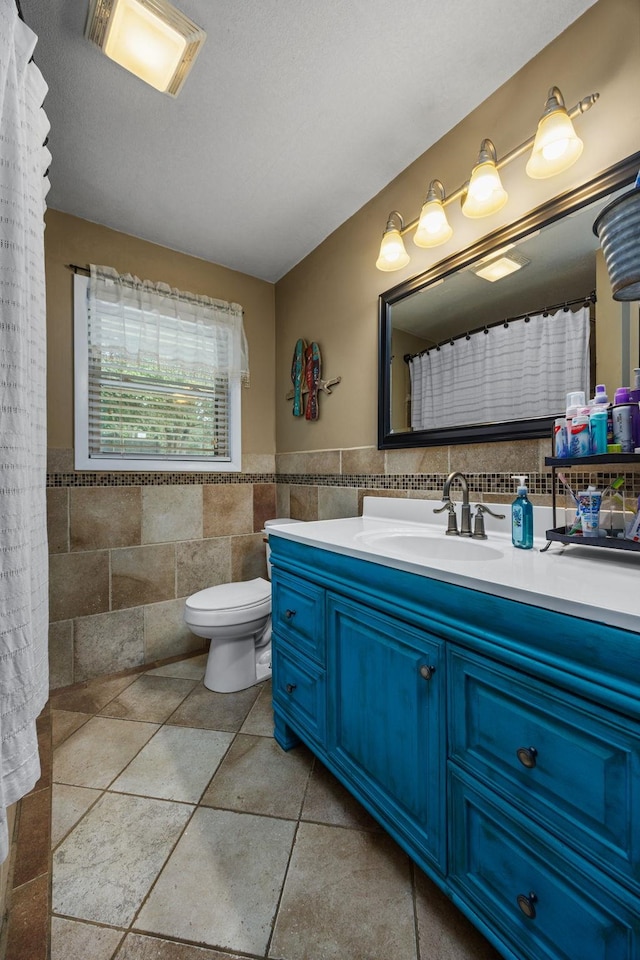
(498,742)
(386,689)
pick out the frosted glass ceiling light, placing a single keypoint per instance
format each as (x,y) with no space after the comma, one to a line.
(433,226)
(496,267)
(393,255)
(150,38)
(556,146)
(485,193)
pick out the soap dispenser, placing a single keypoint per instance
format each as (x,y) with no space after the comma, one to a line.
(522,517)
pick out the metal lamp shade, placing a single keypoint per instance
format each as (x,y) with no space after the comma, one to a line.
(618,229)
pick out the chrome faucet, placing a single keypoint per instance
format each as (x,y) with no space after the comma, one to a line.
(465,516)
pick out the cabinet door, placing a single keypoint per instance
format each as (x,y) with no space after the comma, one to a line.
(386,702)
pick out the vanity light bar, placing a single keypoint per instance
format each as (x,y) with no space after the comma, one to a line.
(548,161)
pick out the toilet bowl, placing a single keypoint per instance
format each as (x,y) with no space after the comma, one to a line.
(236,618)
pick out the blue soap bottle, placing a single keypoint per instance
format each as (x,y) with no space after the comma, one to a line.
(522,517)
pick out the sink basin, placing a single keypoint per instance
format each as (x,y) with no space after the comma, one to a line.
(418,545)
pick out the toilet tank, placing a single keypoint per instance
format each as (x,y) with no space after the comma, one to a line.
(271,523)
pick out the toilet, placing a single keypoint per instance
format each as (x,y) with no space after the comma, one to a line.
(236,617)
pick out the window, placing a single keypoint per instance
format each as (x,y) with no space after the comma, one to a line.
(157,377)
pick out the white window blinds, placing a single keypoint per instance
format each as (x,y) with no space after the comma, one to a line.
(162,371)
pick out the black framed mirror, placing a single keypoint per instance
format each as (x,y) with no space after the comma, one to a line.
(560,229)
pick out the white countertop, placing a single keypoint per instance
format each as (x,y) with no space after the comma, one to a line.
(588,582)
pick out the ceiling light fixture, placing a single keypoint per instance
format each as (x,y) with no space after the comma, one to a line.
(392,254)
(555,147)
(150,38)
(496,268)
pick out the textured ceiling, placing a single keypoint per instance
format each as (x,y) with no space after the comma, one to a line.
(295,114)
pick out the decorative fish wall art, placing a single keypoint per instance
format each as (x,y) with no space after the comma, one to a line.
(306,370)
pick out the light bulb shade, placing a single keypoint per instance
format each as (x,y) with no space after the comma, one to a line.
(393,255)
(485,193)
(433,227)
(556,147)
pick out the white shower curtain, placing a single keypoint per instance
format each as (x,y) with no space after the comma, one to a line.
(516,372)
(24,677)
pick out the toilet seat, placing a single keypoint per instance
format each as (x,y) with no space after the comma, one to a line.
(232,596)
(229,603)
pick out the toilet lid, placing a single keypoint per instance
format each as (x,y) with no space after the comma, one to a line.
(236,596)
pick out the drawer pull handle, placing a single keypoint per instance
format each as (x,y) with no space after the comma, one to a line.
(527,756)
(427,672)
(289,613)
(526,904)
(290,687)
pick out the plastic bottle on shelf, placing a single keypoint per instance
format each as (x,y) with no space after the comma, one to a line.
(634,397)
(598,427)
(601,398)
(580,443)
(589,502)
(560,440)
(622,416)
(575,400)
(521,517)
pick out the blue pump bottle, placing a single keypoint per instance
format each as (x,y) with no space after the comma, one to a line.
(522,517)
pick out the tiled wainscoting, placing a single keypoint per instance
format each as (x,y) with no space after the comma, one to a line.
(123,559)
(126,549)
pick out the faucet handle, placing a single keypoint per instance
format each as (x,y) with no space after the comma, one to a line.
(452,523)
(478,521)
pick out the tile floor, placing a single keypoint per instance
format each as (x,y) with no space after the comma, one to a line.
(181,831)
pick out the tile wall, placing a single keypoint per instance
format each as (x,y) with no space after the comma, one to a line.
(126,549)
(321,484)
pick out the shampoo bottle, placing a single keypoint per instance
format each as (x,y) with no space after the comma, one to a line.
(522,517)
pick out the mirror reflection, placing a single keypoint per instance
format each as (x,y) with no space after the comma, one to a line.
(472,353)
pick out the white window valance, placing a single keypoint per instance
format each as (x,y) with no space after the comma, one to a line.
(152,325)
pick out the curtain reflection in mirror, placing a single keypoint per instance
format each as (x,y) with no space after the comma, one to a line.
(516,371)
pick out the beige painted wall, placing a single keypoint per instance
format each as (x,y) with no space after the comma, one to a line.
(71,240)
(331,295)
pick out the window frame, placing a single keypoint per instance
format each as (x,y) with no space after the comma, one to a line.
(148,464)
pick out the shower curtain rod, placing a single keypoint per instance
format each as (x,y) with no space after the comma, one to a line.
(565,304)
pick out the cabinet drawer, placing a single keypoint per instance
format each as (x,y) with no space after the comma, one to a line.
(569,763)
(298,614)
(299,690)
(548,904)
